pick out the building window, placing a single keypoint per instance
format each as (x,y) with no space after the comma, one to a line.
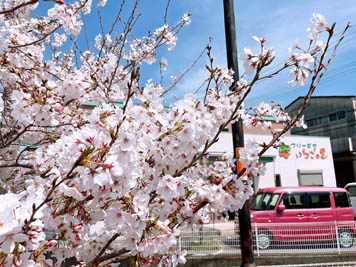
(310,178)
(277,180)
(340,115)
(313,122)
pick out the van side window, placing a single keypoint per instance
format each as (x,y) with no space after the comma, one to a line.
(341,200)
(319,200)
(293,201)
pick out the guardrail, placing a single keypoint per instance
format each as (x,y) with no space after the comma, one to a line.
(286,238)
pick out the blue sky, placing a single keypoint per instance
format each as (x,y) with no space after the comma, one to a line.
(281,22)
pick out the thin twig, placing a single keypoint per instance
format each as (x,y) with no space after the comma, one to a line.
(38,40)
(166,12)
(27,166)
(315,80)
(85,29)
(187,70)
(29,57)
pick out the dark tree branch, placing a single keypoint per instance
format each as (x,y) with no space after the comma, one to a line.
(8,11)
(99,258)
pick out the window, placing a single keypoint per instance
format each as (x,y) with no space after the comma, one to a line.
(340,115)
(277,180)
(332,117)
(319,200)
(310,178)
(264,201)
(342,200)
(313,122)
(294,200)
(352,191)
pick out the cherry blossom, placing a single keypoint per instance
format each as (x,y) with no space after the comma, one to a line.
(303,60)
(252,62)
(300,76)
(186,18)
(164,63)
(317,25)
(294,46)
(94,154)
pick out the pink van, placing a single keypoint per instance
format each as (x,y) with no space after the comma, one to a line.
(285,214)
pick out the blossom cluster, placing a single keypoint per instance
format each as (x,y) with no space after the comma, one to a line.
(125,175)
(252,62)
(302,61)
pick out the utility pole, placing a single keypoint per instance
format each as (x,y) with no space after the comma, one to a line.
(237,135)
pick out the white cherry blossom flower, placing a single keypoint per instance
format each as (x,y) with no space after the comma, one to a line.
(102,3)
(164,63)
(249,61)
(317,25)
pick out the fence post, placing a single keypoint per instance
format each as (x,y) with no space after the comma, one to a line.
(337,238)
(256,239)
(201,237)
(180,242)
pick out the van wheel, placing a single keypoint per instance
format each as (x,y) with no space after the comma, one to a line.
(264,240)
(346,238)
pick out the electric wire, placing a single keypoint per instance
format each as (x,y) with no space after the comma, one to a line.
(332,74)
(347,39)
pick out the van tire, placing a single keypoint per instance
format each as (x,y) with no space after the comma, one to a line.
(265,239)
(346,237)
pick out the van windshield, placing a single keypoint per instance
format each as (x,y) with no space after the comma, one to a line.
(264,201)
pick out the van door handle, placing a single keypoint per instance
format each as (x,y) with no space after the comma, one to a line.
(314,216)
(300,216)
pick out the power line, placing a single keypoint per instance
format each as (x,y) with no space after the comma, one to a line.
(331,75)
(347,39)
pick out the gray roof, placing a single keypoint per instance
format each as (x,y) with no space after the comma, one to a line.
(327,96)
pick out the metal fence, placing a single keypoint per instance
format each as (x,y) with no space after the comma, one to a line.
(287,238)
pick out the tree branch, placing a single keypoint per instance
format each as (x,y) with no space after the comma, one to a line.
(113,255)
(315,80)
(99,258)
(7,11)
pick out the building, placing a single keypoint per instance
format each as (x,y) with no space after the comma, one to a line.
(299,160)
(334,117)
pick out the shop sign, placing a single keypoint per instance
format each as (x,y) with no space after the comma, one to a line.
(302,151)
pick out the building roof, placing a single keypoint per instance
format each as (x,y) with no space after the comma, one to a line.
(95,104)
(328,96)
